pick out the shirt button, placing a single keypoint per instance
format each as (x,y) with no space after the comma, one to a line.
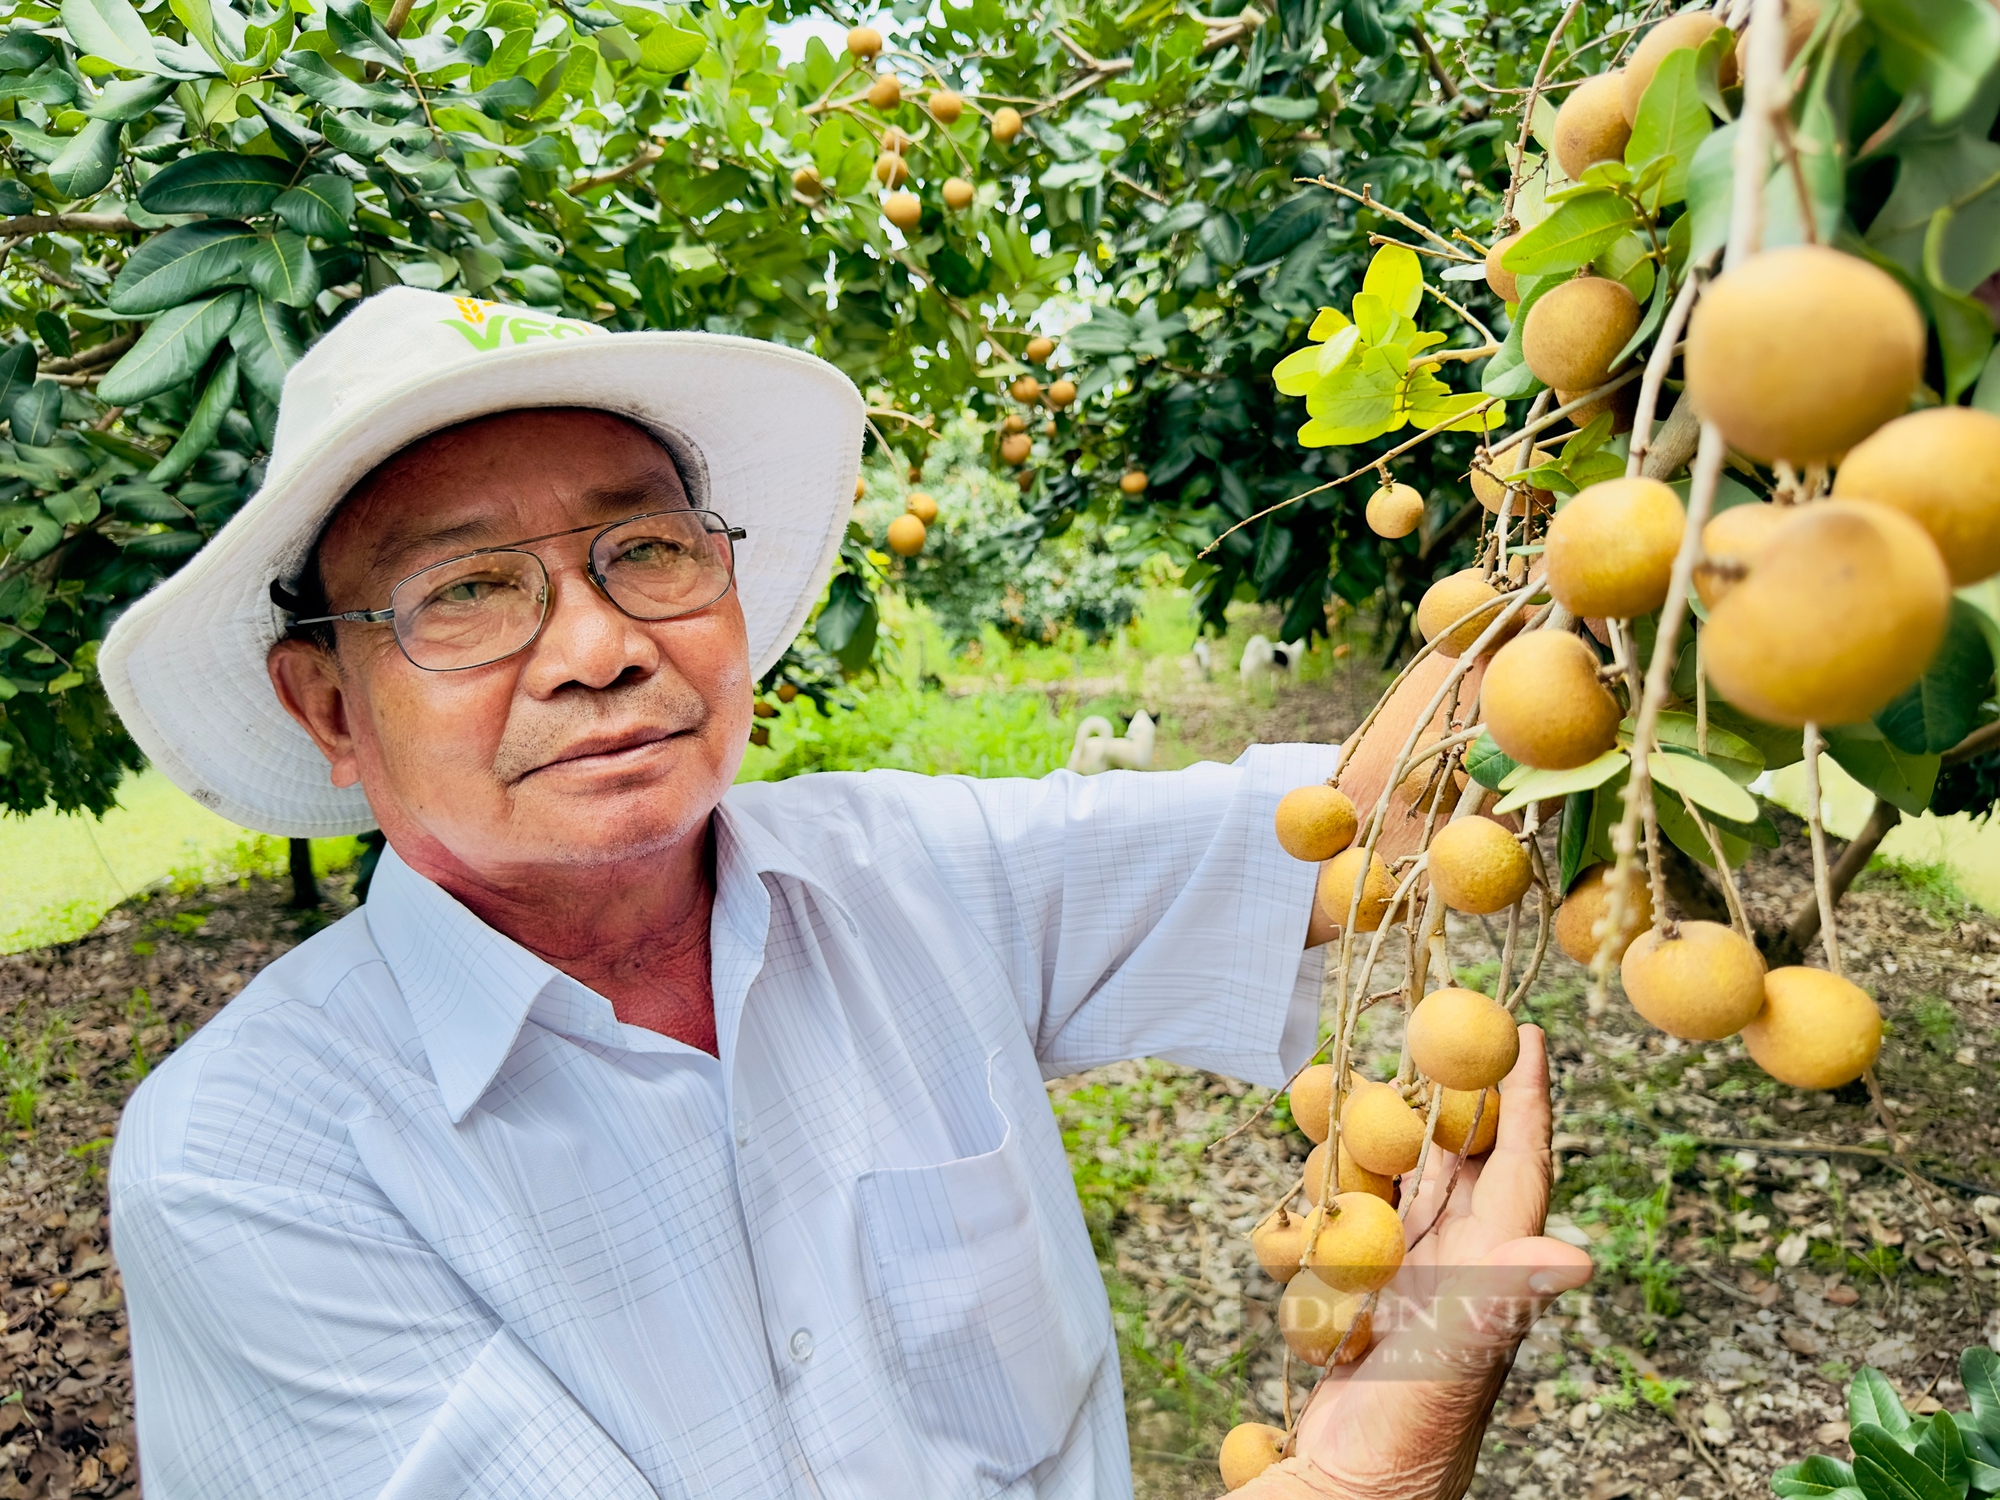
(802,1345)
(742,1130)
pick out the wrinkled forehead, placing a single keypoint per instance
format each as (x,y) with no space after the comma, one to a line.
(499,479)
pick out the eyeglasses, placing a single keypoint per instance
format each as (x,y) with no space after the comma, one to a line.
(484,606)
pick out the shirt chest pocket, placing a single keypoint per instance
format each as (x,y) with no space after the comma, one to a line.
(967,1282)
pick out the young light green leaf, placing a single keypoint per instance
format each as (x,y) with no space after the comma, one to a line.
(266,344)
(1703,784)
(282,268)
(88,161)
(1574,235)
(1540,786)
(323,204)
(173,348)
(112,30)
(1302,371)
(203,423)
(670,50)
(1397,277)
(1736,757)
(1672,123)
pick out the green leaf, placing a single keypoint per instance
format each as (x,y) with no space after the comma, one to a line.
(1573,847)
(220,183)
(1288,224)
(1673,121)
(264,338)
(1979,1369)
(1945,48)
(1892,774)
(320,82)
(173,348)
(354,30)
(28,532)
(847,621)
(18,363)
(1397,277)
(1736,757)
(1278,108)
(203,423)
(112,30)
(1711,182)
(282,268)
(1818,1478)
(1487,764)
(170,268)
(1872,1401)
(1528,785)
(1941,1450)
(1982,1459)
(35,415)
(1942,707)
(77,507)
(88,161)
(1680,827)
(1353,406)
(1701,783)
(131,98)
(1888,1469)
(323,204)
(669,49)
(1574,235)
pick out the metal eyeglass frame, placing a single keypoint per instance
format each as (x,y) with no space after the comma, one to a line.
(733,534)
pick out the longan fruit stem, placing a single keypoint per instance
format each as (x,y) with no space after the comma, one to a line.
(1659,362)
(1829,936)
(1765,92)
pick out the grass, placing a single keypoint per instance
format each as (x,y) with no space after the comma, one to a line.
(1928,885)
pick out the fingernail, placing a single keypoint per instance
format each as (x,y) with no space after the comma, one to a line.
(1552,1283)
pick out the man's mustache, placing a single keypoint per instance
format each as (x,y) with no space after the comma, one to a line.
(541,733)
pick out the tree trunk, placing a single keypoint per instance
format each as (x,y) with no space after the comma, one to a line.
(1788,946)
(305,889)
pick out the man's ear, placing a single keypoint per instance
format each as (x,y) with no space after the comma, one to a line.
(308,682)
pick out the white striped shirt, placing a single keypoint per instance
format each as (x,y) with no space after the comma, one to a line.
(417,1216)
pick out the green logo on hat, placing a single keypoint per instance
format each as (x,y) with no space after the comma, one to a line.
(484,325)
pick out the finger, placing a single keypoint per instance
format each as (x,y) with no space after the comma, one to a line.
(1513,1189)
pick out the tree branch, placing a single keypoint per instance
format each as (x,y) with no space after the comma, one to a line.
(28,224)
(645,157)
(91,358)
(1788,945)
(1974,745)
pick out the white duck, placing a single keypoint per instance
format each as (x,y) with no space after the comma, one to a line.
(1099,747)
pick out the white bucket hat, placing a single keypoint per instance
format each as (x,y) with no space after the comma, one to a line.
(768,437)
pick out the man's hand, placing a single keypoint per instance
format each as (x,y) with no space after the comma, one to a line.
(1405,1423)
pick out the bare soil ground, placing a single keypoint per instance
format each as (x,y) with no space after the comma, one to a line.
(1755,1244)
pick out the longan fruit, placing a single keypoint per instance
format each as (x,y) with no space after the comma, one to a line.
(1701,982)
(1478,867)
(1249,1449)
(1359,1246)
(864,42)
(1395,510)
(1544,705)
(1380,1131)
(1013,422)
(1688,29)
(958,194)
(891,170)
(1006,123)
(1499,280)
(886,92)
(1588,903)
(1279,1243)
(1015,448)
(1492,491)
(1312,1101)
(896,139)
(1315,822)
(1575,331)
(1133,481)
(904,210)
(1941,468)
(1591,126)
(1462,1039)
(1449,600)
(1061,393)
(1610,551)
(806,183)
(1314,1319)
(945,106)
(906,536)
(1026,389)
(923,506)
(1800,352)
(1731,543)
(1454,1124)
(1815,1030)
(1337,880)
(1353,1177)
(1839,615)
(1041,349)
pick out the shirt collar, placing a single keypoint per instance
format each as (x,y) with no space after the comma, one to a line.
(470,988)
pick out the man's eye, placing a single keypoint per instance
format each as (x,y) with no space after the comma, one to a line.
(651,552)
(469,591)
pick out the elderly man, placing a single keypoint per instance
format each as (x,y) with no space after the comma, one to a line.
(641,1136)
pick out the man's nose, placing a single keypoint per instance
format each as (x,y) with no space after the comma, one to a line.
(586,640)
